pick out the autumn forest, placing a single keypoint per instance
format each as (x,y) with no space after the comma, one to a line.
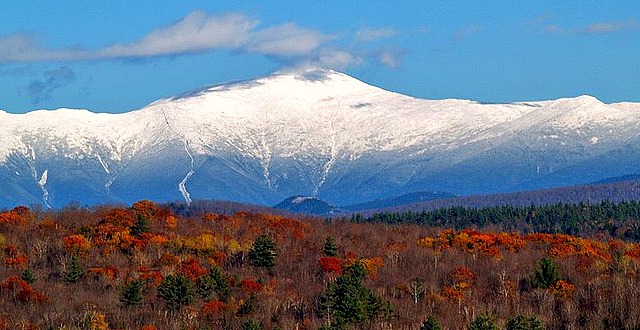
(146,267)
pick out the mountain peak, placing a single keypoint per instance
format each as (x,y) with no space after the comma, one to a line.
(578,101)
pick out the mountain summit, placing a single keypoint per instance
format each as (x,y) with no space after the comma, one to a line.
(314,133)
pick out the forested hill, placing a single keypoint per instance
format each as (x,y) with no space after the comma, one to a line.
(615,191)
(619,220)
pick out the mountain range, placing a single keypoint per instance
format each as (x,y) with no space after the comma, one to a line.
(312,132)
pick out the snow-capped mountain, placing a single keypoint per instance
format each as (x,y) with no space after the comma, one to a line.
(314,133)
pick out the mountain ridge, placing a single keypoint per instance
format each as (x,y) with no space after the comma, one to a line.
(314,133)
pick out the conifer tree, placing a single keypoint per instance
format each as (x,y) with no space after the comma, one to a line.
(139,227)
(346,301)
(522,322)
(484,321)
(28,276)
(330,248)
(176,291)
(74,271)
(263,253)
(132,294)
(546,275)
(213,281)
(430,324)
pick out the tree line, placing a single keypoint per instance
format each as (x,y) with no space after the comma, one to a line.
(619,220)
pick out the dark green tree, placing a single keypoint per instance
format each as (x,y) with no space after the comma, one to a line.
(140,227)
(251,325)
(74,271)
(546,274)
(522,322)
(28,276)
(263,253)
(430,324)
(346,301)
(330,248)
(176,291)
(131,294)
(484,321)
(213,281)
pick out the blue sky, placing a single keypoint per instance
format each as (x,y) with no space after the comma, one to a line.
(115,56)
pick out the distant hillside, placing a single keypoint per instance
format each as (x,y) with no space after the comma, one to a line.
(629,177)
(307,205)
(592,193)
(198,208)
(400,200)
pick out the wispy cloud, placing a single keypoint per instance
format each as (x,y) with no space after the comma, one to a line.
(465,33)
(593,29)
(16,71)
(285,40)
(199,32)
(370,34)
(41,90)
(194,33)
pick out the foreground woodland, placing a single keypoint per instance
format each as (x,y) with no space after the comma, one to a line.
(143,267)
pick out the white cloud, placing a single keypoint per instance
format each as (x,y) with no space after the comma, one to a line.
(389,58)
(194,33)
(593,29)
(465,33)
(285,40)
(608,27)
(371,34)
(199,32)
(337,59)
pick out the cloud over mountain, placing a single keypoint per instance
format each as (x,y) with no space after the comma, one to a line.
(199,32)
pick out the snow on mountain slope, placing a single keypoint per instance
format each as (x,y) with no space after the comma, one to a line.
(315,132)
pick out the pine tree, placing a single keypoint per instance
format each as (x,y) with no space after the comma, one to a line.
(330,247)
(346,301)
(132,294)
(262,253)
(430,324)
(251,325)
(74,271)
(28,276)
(546,275)
(522,322)
(176,291)
(484,321)
(139,227)
(213,281)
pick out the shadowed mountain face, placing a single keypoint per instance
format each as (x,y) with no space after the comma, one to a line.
(314,133)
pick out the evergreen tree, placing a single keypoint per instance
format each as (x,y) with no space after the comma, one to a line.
(330,247)
(251,325)
(430,324)
(546,275)
(262,253)
(139,227)
(346,301)
(28,276)
(522,322)
(213,281)
(132,294)
(74,271)
(176,291)
(484,321)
